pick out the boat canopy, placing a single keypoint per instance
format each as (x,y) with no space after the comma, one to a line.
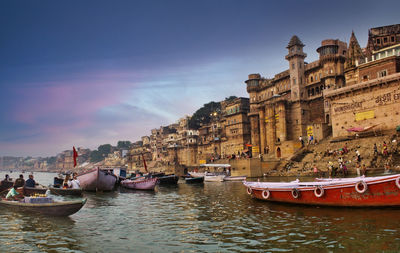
(215,165)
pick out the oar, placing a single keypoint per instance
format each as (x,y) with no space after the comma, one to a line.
(6,189)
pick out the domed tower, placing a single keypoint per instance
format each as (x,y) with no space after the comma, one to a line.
(354,57)
(332,55)
(296,67)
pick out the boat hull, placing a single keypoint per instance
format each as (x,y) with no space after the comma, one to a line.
(237,178)
(168,180)
(49,209)
(194,180)
(214,178)
(97,180)
(66,192)
(383,191)
(140,184)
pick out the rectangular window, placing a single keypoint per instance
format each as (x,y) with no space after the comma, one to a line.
(382,73)
(385,40)
(294,80)
(392,39)
(292,65)
(378,41)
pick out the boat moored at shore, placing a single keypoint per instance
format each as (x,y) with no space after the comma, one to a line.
(356,192)
(97,180)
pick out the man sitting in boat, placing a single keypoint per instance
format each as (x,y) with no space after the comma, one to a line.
(19,182)
(7,178)
(30,182)
(75,184)
(13,194)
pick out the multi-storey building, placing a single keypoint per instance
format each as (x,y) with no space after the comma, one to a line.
(371,99)
(291,104)
(237,126)
(309,98)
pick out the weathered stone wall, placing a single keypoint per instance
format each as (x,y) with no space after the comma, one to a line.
(378,105)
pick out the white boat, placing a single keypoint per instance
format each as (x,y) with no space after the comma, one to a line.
(238,178)
(196,174)
(212,177)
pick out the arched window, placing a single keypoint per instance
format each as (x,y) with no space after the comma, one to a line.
(312,92)
(317,90)
(311,79)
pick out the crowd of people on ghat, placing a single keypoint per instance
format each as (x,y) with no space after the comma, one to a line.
(342,168)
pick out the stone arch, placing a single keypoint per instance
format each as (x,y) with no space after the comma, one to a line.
(278,152)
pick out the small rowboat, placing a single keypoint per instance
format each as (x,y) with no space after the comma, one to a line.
(65,208)
(349,192)
(140,183)
(66,192)
(194,180)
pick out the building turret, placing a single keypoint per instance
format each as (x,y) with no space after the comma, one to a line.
(332,55)
(296,67)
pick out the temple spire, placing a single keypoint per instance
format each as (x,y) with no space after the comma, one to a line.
(354,52)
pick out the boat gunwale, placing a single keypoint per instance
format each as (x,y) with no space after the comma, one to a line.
(58,203)
(308,186)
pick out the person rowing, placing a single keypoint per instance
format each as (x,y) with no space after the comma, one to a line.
(13,194)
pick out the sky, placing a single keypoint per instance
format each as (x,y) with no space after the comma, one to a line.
(89,72)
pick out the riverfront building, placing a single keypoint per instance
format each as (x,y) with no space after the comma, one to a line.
(346,87)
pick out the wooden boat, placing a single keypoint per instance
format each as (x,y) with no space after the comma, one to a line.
(168,180)
(97,180)
(194,180)
(237,178)
(140,183)
(65,192)
(355,192)
(64,208)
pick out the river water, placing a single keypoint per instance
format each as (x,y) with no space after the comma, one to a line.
(214,217)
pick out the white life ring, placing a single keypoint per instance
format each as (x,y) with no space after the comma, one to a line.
(295,193)
(265,194)
(249,191)
(363,187)
(398,182)
(319,191)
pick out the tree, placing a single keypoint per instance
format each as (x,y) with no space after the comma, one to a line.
(203,115)
(124,145)
(101,152)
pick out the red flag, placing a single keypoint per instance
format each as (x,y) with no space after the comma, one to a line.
(75,156)
(144,163)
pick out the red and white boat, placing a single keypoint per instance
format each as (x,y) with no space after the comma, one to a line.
(97,180)
(140,183)
(351,192)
